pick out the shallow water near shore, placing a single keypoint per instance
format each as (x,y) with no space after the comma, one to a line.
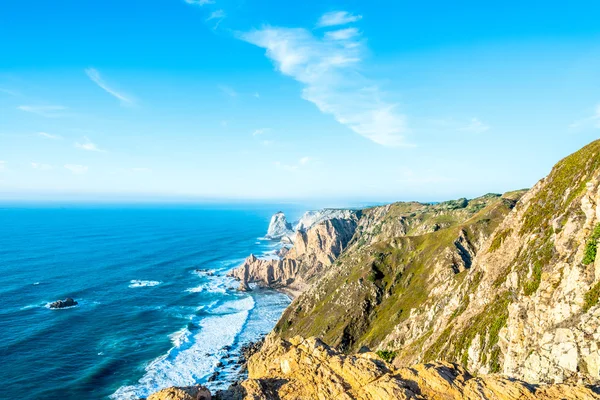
(155,305)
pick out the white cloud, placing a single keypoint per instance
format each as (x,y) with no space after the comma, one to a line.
(293,167)
(342,34)
(475,126)
(88,145)
(200,2)
(49,136)
(267,142)
(592,121)
(77,169)
(260,131)
(141,169)
(329,71)
(44,111)
(337,18)
(218,15)
(94,75)
(41,166)
(9,92)
(229,91)
(2,165)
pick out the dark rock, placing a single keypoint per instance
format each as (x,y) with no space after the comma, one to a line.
(68,302)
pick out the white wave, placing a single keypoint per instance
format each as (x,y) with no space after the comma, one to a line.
(135,283)
(194,355)
(196,289)
(35,283)
(61,308)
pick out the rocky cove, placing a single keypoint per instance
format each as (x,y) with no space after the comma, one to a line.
(488,298)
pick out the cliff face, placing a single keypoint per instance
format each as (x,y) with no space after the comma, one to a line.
(498,284)
(279,227)
(313,252)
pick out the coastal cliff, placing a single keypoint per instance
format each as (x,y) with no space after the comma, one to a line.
(503,286)
(313,251)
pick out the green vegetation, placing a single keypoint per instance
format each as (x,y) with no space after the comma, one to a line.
(485,325)
(499,239)
(387,355)
(532,285)
(591,297)
(569,177)
(591,248)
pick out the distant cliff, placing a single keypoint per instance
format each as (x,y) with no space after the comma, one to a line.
(317,243)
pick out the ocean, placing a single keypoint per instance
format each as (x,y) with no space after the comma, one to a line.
(155,309)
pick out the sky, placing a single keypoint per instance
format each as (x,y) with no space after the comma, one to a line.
(258,100)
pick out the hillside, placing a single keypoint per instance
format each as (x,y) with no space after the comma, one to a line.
(498,284)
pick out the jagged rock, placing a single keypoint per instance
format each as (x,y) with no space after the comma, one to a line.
(313,251)
(312,218)
(279,227)
(182,393)
(68,302)
(309,369)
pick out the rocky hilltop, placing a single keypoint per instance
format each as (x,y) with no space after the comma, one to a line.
(301,369)
(504,286)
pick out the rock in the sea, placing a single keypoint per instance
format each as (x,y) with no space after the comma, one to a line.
(279,227)
(182,393)
(68,302)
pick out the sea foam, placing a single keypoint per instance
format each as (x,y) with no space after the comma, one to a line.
(194,355)
(135,283)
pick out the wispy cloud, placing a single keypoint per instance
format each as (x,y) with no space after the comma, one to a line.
(49,136)
(329,70)
(77,169)
(94,75)
(88,145)
(337,18)
(342,34)
(260,131)
(293,167)
(45,111)
(9,92)
(218,16)
(41,166)
(229,91)
(591,121)
(267,142)
(200,2)
(475,126)
(141,169)
(2,165)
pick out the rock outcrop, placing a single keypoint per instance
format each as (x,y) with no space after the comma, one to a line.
(312,218)
(182,393)
(66,303)
(309,369)
(279,227)
(314,250)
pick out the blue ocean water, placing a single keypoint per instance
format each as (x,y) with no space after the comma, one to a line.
(146,317)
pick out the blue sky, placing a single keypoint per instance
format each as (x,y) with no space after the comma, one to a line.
(338,100)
